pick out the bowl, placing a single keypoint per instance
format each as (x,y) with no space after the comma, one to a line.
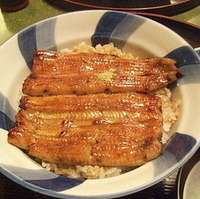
(188,178)
(131,33)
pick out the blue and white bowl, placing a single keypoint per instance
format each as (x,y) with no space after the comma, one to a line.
(131,33)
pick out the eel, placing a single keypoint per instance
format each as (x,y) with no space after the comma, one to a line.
(55,73)
(92,109)
(122,129)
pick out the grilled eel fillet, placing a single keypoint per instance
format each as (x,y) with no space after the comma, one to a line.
(121,129)
(57,73)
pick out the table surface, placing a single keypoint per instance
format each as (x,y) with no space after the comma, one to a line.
(13,22)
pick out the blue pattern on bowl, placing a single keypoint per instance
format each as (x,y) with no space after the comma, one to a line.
(57,184)
(27,44)
(39,36)
(5,122)
(179,145)
(190,56)
(43,178)
(5,109)
(174,151)
(115,28)
(189,64)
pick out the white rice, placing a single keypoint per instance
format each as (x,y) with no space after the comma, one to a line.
(170,110)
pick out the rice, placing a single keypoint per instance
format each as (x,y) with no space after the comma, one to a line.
(83,172)
(170,110)
(105,49)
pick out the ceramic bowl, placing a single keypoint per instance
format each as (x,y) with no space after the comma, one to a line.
(131,33)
